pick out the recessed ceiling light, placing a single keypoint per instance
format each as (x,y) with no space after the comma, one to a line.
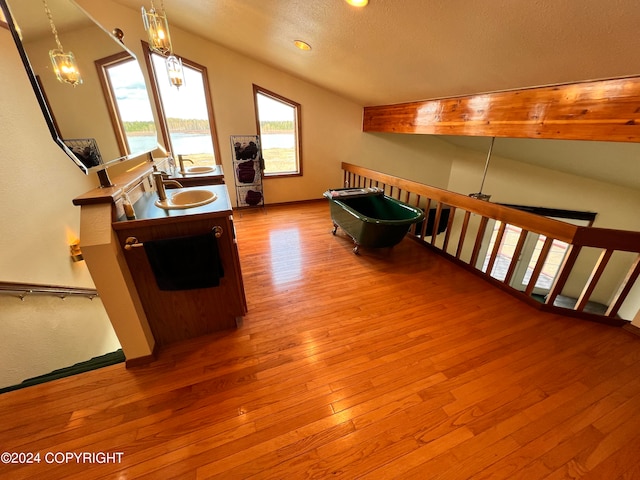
(302,45)
(358,3)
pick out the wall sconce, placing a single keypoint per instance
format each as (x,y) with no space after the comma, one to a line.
(64,63)
(175,71)
(157,28)
(480,195)
(76,253)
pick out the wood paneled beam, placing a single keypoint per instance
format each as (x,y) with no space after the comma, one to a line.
(607,110)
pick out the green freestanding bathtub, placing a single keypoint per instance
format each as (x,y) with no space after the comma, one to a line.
(371,218)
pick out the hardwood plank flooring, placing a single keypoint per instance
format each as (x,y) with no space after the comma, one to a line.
(393,363)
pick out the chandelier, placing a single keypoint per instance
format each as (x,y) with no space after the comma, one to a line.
(64,63)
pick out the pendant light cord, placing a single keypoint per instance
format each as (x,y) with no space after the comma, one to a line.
(486,165)
(53,27)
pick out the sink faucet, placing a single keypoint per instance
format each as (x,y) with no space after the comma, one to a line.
(181,161)
(161,182)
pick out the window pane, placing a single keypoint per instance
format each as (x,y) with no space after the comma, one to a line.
(505,253)
(551,265)
(130,95)
(186,113)
(278,134)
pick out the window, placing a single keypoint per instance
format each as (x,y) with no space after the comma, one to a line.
(128,103)
(531,249)
(278,122)
(185,113)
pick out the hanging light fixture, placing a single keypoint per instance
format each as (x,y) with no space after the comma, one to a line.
(480,195)
(157,27)
(64,63)
(175,71)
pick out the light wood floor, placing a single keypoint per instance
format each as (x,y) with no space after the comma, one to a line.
(391,364)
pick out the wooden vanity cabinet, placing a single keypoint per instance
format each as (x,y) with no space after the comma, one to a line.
(143,316)
(177,315)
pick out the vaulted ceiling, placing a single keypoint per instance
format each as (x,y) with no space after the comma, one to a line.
(395,51)
(404,50)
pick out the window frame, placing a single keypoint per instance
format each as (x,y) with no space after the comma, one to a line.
(102,64)
(157,99)
(297,108)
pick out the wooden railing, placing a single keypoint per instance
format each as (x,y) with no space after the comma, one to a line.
(22,290)
(459,243)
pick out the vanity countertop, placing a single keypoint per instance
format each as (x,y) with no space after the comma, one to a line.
(217,173)
(148,214)
(126,181)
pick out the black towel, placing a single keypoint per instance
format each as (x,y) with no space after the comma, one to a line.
(185,263)
(246,172)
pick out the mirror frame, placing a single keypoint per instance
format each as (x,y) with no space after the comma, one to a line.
(42,100)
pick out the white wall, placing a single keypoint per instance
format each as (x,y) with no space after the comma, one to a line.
(331,125)
(37,183)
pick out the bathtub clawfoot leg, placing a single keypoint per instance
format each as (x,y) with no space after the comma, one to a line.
(335,228)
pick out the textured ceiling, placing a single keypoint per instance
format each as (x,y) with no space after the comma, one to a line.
(403,50)
(396,51)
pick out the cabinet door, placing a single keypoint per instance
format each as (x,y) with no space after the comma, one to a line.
(176,315)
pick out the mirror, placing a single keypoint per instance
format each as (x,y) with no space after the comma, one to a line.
(79,118)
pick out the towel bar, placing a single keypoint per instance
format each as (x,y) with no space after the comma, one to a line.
(132,242)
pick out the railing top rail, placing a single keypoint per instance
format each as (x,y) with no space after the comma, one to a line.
(525,220)
(623,240)
(58,290)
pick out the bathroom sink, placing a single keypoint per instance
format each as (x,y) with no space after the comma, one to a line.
(188,198)
(199,170)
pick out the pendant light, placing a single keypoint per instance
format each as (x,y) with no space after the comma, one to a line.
(157,27)
(175,71)
(64,63)
(480,195)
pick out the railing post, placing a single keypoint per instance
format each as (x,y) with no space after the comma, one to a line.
(539,264)
(436,223)
(625,288)
(427,209)
(478,244)
(516,256)
(447,234)
(596,273)
(496,248)
(463,233)
(563,273)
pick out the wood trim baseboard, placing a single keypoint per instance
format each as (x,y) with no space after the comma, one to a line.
(280,204)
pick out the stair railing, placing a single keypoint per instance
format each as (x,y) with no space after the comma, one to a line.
(471,218)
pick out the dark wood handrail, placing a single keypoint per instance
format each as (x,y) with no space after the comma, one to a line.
(24,289)
(546,226)
(607,240)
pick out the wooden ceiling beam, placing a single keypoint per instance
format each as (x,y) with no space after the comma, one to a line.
(606,110)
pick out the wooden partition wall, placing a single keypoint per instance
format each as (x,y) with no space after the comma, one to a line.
(606,110)
(451,242)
